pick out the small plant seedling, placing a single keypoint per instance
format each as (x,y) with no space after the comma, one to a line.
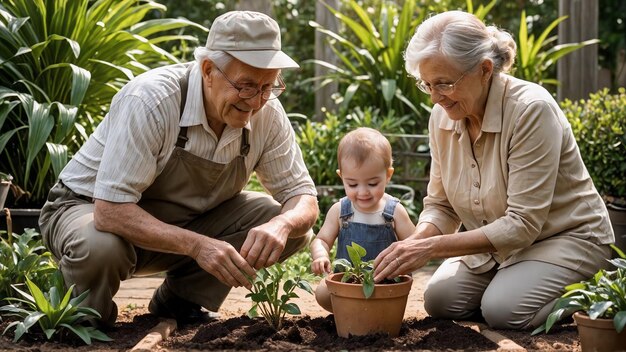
(357,271)
(265,294)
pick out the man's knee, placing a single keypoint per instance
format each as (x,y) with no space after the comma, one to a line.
(99,252)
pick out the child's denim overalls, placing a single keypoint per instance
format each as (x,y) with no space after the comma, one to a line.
(374,238)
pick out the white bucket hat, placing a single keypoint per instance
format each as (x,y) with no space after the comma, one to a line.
(251,37)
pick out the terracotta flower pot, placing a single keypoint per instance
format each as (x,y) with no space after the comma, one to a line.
(599,334)
(356,315)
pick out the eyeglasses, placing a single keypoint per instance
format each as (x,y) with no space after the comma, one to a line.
(442,88)
(248,92)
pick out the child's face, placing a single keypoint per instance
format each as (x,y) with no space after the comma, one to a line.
(365,184)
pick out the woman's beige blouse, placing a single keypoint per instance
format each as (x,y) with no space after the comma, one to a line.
(522,182)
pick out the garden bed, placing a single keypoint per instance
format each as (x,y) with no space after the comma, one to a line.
(238,333)
(313,331)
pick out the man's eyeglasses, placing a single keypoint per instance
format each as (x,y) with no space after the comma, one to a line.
(248,92)
(442,88)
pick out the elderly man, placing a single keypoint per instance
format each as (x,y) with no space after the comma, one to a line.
(159,185)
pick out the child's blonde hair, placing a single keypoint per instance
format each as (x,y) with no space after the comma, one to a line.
(361,143)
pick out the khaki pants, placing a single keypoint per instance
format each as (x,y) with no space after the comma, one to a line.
(519,296)
(99,261)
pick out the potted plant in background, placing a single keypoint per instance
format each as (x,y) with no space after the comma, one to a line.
(599,307)
(361,307)
(599,126)
(60,68)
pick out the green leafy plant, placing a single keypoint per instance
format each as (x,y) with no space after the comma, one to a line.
(599,126)
(535,56)
(55,314)
(602,296)
(61,62)
(267,296)
(357,271)
(24,257)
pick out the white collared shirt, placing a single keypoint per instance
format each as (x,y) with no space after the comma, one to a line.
(132,144)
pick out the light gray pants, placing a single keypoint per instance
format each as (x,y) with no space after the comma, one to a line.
(99,261)
(519,296)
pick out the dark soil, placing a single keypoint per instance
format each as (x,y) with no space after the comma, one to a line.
(300,333)
(319,334)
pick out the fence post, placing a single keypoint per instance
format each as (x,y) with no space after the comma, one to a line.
(323,52)
(577,72)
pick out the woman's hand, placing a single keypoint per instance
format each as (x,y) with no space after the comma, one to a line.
(402,257)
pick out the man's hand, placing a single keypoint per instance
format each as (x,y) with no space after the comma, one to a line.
(221,259)
(264,244)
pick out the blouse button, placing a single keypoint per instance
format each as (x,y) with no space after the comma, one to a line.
(476,184)
(476,201)
(473,166)
(485,222)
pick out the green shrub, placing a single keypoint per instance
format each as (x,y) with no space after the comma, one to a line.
(599,126)
(24,257)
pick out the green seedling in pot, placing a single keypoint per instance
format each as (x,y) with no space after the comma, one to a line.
(357,271)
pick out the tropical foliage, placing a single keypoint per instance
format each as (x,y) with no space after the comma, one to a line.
(61,62)
(371,68)
(535,56)
(55,313)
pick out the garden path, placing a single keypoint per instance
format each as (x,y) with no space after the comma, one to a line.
(137,292)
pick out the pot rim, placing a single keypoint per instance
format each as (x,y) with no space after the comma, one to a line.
(336,277)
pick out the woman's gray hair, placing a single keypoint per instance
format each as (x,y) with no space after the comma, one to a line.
(461,38)
(220,58)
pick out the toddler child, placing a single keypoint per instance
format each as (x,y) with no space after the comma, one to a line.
(366,215)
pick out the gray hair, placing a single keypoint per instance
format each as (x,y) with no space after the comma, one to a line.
(461,38)
(220,58)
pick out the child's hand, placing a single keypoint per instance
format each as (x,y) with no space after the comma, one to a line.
(321,266)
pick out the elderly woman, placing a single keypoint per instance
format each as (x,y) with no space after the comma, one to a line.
(506,166)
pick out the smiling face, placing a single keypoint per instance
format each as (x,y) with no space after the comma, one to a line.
(365,184)
(469,96)
(222,103)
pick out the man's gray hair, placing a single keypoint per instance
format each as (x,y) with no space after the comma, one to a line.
(220,58)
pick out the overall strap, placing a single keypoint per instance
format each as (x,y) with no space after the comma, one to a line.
(244,149)
(390,207)
(346,211)
(182,134)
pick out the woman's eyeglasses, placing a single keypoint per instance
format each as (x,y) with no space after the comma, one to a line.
(441,88)
(248,92)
